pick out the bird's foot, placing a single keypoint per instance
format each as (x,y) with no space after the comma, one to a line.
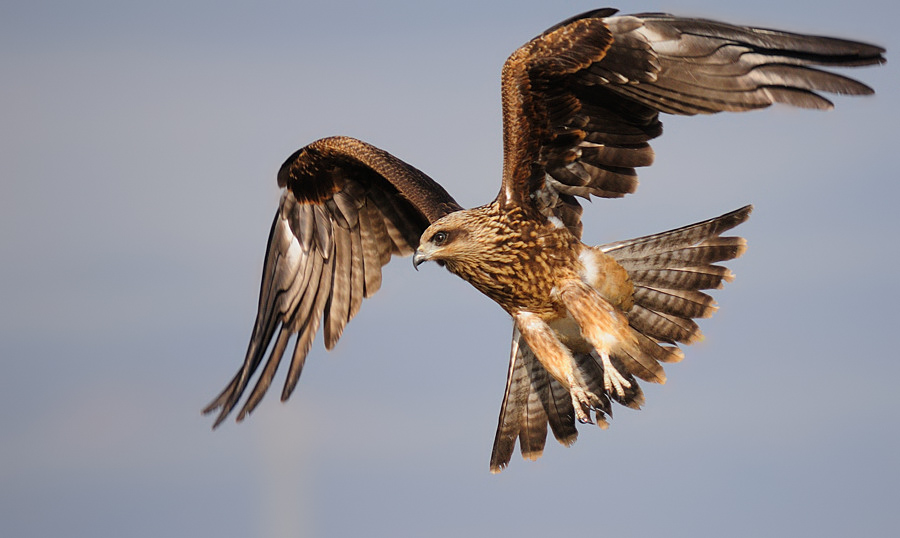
(582,405)
(612,379)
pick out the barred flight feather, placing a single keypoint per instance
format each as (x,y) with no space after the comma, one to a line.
(515,398)
(338,302)
(627,157)
(711,251)
(560,412)
(638,362)
(683,278)
(681,303)
(663,327)
(311,322)
(357,273)
(658,352)
(324,239)
(533,434)
(632,251)
(383,239)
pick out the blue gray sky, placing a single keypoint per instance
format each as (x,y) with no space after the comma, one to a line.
(140,142)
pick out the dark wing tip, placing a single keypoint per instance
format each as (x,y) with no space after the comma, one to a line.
(734,218)
(213,407)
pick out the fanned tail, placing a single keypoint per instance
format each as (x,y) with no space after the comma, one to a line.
(669,269)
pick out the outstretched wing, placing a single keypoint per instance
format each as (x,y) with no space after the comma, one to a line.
(347,208)
(582,100)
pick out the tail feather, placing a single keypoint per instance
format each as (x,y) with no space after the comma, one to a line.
(669,269)
(715,249)
(640,361)
(664,327)
(533,434)
(635,249)
(683,278)
(681,303)
(560,412)
(660,353)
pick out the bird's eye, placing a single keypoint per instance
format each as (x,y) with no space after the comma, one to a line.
(439,238)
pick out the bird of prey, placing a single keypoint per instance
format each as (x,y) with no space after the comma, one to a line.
(580,103)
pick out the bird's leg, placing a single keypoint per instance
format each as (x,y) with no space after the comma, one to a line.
(556,359)
(602,325)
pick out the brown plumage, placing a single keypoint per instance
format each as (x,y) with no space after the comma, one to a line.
(580,104)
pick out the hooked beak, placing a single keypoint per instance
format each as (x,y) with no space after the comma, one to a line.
(419,258)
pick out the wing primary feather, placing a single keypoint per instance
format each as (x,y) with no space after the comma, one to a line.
(311,324)
(265,378)
(374,242)
(337,306)
(275,278)
(323,231)
(357,273)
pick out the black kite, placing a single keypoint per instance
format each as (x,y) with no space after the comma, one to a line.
(580,103)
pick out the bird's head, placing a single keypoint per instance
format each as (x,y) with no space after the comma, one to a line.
(454,238)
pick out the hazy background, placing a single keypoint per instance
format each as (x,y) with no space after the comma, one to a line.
(140,142)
